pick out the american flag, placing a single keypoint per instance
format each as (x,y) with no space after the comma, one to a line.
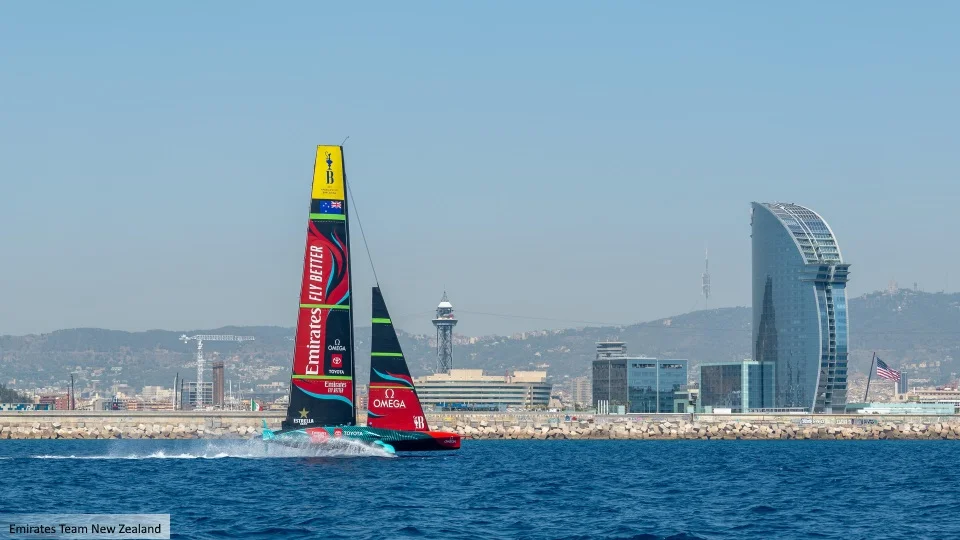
(884,371)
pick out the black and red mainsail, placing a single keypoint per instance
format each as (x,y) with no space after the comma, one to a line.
(322,383)
(392,402)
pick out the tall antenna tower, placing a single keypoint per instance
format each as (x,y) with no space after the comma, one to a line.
(444,322)
(705,279)
(200,339)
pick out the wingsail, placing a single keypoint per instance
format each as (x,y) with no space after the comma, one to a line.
(393,401)
(322,383)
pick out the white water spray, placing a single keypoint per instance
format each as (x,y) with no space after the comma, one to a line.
(250,449)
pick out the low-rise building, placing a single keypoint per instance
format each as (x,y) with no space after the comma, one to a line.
(907,408)
(56,402)
(26,407)
(472,389)
(933,395)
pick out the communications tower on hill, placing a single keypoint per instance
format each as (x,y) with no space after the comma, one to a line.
(445,321)
(705,280)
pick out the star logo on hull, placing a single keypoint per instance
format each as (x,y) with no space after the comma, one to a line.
(303,412)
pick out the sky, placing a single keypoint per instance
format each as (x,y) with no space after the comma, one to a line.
(550,163)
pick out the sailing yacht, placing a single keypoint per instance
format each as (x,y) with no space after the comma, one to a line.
(322,389)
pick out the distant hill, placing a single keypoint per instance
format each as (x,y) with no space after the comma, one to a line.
(920,331)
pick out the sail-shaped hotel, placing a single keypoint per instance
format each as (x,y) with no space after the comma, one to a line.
(799,307)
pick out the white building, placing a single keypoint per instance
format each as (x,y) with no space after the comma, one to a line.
(471,389)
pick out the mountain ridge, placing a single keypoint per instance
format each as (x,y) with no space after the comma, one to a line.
(917,330)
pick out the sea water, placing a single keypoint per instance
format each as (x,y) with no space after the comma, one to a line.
(500,489)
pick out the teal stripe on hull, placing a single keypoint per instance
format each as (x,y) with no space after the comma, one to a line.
(401,440)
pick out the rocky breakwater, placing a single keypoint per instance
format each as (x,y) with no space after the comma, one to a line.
(134,426)
(729,429)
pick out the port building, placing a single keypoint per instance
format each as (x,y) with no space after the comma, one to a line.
(474,390)
(799,307)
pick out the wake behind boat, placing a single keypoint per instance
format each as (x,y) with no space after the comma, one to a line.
(322,389)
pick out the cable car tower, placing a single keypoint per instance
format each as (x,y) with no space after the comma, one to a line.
(444,322)
(200,338)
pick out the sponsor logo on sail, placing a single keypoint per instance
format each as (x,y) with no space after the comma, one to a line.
(303,420)
(336,346)
(389,401)
(328,174)
(336,365)
(315,345)
(418,422)
(335,387)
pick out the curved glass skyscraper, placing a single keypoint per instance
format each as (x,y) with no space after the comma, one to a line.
(799,307)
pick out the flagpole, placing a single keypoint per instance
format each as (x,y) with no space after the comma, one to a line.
(870,376)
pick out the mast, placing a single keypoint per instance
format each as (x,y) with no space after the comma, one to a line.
(322,380)
(346,228)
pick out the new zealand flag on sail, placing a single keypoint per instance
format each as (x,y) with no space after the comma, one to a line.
(327,207)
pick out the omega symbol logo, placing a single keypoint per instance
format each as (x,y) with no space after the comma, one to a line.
(388,393)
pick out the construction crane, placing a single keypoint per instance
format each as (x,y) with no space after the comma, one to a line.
(200,339)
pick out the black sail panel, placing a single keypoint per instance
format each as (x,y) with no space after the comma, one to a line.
(392,401)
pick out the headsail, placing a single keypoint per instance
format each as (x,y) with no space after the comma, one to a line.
(392,402)
(321,387)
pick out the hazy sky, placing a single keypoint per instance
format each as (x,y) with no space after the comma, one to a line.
(542,159)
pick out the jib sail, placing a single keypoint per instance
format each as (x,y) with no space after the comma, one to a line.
(392,402)
(321,386)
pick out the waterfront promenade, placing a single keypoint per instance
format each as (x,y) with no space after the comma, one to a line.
(517,425)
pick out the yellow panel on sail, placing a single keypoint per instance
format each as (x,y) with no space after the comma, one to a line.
(328,173)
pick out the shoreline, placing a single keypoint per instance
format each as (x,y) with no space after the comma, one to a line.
(72,425)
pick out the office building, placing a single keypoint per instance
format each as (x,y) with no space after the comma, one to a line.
(799,307)
(639,384)
(190,398)
(473,390)
(903,385)
(738,386)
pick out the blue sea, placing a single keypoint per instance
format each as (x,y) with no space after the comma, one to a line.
(501,489)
